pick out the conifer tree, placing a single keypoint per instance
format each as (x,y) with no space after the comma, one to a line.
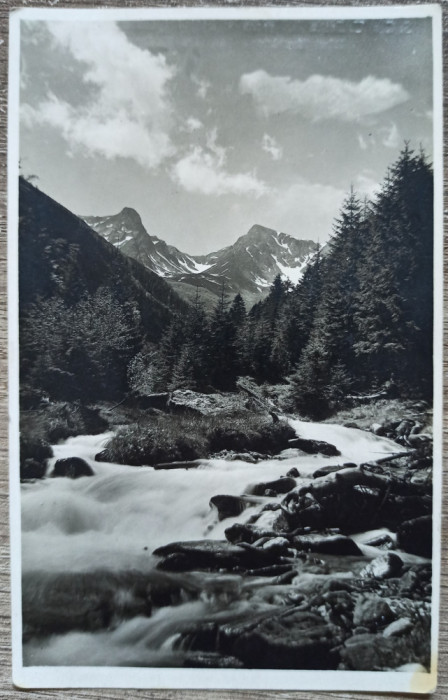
(221,349)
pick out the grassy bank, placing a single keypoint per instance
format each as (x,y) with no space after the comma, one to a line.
(172,438)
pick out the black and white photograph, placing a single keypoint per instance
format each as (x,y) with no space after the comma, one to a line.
(225,289)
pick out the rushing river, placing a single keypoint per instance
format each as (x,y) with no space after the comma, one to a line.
(113,521)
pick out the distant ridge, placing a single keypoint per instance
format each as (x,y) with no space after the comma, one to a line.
(249,266)
(61,257)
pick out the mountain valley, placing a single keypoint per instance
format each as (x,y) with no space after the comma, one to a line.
(249,266)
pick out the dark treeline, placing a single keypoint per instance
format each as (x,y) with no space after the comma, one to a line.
(360,320)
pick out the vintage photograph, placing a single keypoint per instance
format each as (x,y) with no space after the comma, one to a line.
(225,308)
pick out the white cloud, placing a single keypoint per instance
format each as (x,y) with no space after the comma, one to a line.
(365,185)
(362,142)
(270,145)
(203,170)
(321,97)
(305,209)
(193,124)
(202,86)
(129,115)
(392,137)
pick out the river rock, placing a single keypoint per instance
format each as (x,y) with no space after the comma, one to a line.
(34,453)
(367,652)
(191,464)
(282,485)
(292,640)
(381,542)
(32,469)
(334,544)
(228,506)
(214,555)
(279,545)
(415,536)
(372,611)
(409,583)
(398,627)
(192,402)
(72,467)
(293,472)
(387,566)
(324,471)
(210,660)
(203,554)
(238,532)
(355,500)
(313,447)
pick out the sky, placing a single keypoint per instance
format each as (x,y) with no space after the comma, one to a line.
(208,127)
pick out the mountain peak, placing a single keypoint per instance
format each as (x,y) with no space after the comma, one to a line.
(259,231)
(130,213)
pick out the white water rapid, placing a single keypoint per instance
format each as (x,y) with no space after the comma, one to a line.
(114,520)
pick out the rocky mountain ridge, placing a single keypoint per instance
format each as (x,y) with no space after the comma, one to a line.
(248,266)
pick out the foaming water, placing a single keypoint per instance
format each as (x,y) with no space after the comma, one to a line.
(119,516)
(111,523)
(354,444)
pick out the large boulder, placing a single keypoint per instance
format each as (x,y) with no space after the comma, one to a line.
(353,499)
(313,447)
(293,640)
(32,469)
(330,469)
(415,536)
(72,467)
(367,652)
(387,566)
(34,453)
(331,544)
(228,506)
(282,485)
(214,555)
(238,532)
(372,612)
(191,402)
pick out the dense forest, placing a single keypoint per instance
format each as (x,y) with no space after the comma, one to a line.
(99,326)
(360,320)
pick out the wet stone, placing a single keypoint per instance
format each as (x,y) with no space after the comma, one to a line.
(333,544)
(381,542)
(386,566)
(313,447)
(228,506)
(324,471)
(398,627)
(415,536)
(372,612)
(282,485)
(296,640)
(72,467)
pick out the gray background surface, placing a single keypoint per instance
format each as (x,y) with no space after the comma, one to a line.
(7,691)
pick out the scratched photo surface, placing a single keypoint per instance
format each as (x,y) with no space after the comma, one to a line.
(225,241)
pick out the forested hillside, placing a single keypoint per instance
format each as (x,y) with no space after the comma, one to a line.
(85,309)
(360,320)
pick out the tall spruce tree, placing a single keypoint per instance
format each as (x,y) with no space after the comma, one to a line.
(394,315)
(221,348)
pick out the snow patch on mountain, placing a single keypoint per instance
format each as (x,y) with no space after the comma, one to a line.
(249,266)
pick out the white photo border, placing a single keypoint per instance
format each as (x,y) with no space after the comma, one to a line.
(174,678)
